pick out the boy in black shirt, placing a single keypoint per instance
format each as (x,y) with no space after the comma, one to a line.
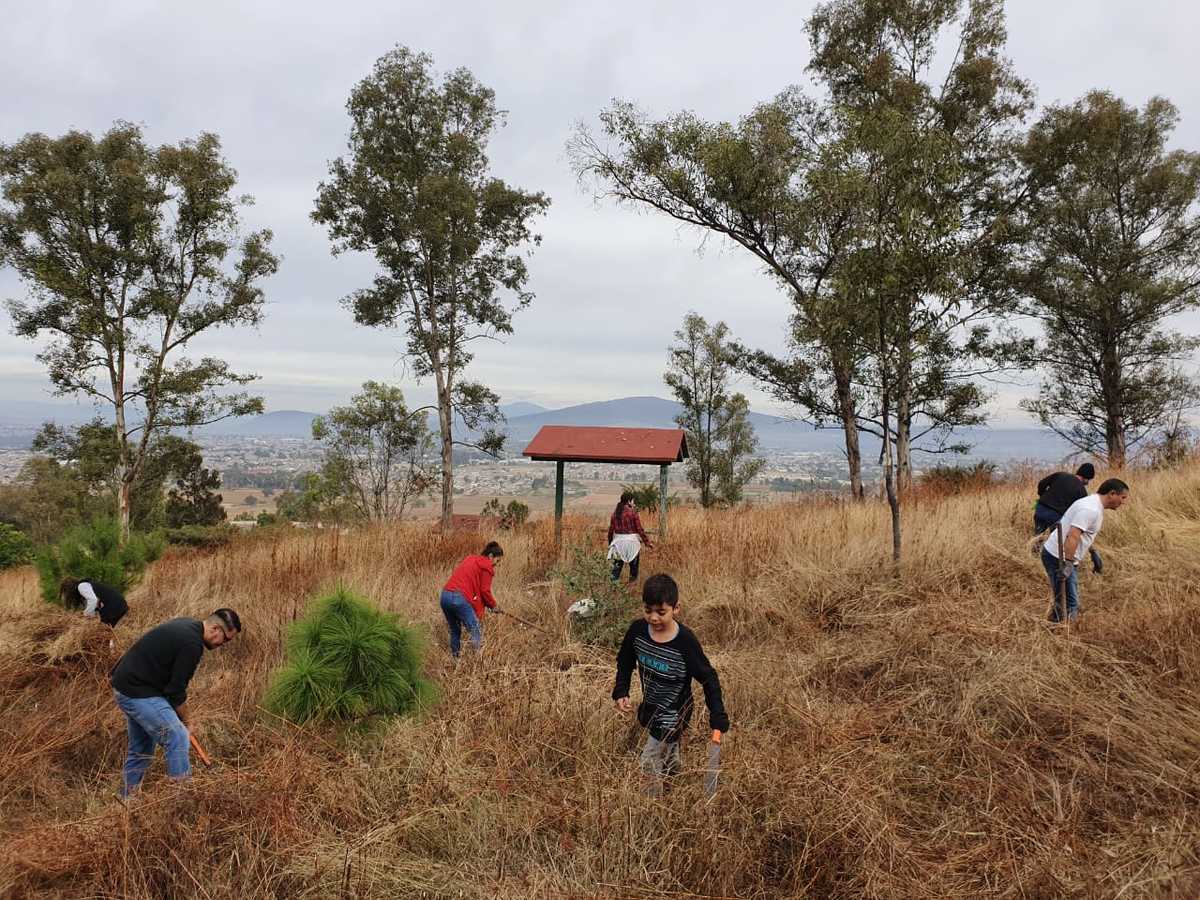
(668,657)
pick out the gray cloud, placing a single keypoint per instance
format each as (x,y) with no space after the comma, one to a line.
(272,78)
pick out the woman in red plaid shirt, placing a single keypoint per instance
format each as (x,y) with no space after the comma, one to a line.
(625,537)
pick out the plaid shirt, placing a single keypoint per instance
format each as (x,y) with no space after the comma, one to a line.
(627,522)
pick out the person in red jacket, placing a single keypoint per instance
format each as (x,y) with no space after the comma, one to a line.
(467,592)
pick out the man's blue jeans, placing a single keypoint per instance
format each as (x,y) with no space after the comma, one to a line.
(459,612)
(1044,517)
(1052,566)
(152,720)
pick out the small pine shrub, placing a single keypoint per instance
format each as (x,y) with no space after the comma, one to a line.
(16,548)
(93,552)
(205,537)
(347,660)
(508,516)
(587,573)
(646,496)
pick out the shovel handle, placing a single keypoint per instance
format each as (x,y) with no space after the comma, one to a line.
(199,750)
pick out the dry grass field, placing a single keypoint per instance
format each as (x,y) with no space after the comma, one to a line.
(914,733)
(234,501)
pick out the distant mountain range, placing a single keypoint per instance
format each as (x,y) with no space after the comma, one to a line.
(524,420)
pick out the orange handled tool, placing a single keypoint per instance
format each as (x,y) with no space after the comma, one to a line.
(200,751)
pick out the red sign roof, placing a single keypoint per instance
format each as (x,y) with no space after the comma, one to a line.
(572,443)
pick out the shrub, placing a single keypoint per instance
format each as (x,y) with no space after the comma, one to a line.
(347,660)
(942,479)
(93,552)
(205,536)
(16,548)
(587,573)
(646,495)
(509,516)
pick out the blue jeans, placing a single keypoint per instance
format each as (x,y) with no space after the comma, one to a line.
(459,612)
(1052,565)
(618,563)
(152,720)
(1044,517)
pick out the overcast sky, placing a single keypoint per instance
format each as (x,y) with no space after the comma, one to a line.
(272,80)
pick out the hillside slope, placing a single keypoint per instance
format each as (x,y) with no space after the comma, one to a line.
(919,733)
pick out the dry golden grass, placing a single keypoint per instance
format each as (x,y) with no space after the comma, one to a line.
(919,733)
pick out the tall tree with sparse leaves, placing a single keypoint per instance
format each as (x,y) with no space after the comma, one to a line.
(415,191)
(130,252)
(1114,254)
(721,440)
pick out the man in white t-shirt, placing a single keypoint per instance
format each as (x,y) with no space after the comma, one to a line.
(1080,525)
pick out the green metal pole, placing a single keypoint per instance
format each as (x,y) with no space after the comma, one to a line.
(558,501)
(662,502)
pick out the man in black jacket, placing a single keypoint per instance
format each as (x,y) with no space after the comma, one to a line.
(150,686)
(1056,492)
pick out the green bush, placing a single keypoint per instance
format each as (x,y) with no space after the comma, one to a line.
(510,515)
(347,660)
(16,548)
(587,573)
(646,496)
(93,552)
(204,536)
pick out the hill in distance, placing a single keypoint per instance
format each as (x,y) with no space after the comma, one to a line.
(524,419)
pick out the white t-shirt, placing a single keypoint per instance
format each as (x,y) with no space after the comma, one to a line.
(93,602)
(1086,514)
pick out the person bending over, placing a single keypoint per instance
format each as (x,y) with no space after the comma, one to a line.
(150,685)
(467,593)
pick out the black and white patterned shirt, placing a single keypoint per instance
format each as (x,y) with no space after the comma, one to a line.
(666,671)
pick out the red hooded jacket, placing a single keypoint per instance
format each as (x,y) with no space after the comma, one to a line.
(473,579)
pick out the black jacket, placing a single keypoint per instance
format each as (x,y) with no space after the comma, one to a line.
(112,603)
(1059,490)
(161,662)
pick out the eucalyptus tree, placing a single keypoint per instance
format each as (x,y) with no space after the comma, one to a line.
(129,252)
(1114,255)
(415,190)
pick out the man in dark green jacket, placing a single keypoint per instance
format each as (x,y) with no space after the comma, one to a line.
(150,686)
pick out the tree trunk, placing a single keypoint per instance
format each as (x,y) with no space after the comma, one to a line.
(444,425)
(1115,439)
(904,473)
(124,500)
(847,410)
(124,476)
(903,388)
(889,483)
(1114,412)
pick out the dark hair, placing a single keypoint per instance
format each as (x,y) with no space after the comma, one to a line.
(660,589)
(1113,486)
(228,618)
(1087,471)
(68,592)
(626,497)
(494,550)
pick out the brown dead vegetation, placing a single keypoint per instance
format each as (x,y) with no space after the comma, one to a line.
(911,733)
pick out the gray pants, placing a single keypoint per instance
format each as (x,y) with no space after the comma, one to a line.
(659,759)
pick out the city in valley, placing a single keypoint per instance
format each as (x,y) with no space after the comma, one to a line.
(256,468)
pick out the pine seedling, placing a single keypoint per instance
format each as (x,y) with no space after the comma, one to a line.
(347,660)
